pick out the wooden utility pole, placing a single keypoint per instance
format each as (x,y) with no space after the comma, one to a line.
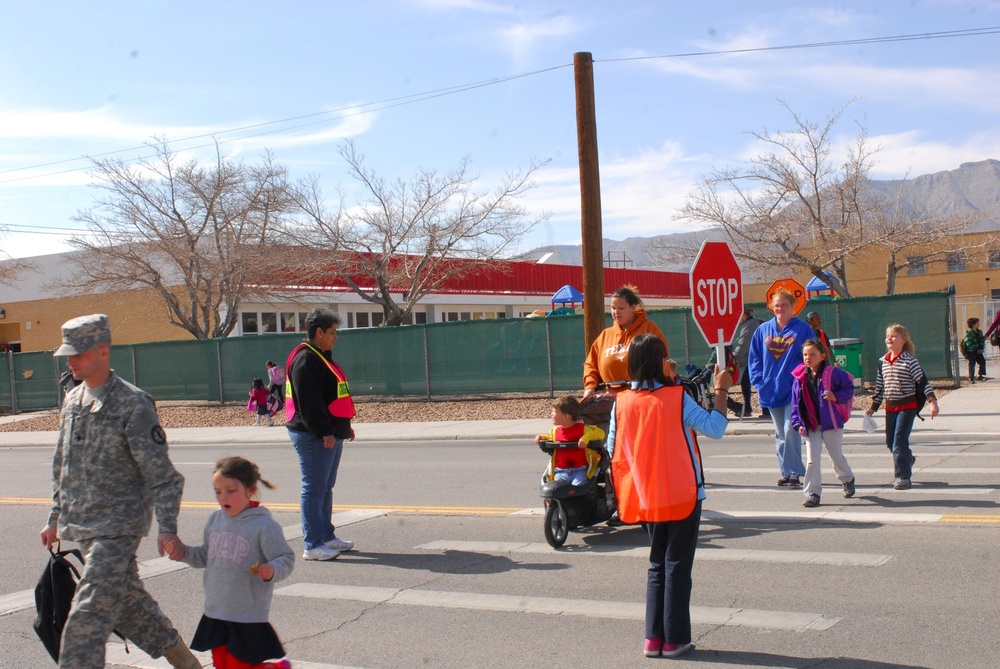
(590,199)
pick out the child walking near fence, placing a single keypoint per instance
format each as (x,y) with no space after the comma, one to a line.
(899,380)
(259,397)
(243,553)
(821,402)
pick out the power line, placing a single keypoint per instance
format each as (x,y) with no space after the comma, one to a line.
(343,112)
(968,32)
(399,101)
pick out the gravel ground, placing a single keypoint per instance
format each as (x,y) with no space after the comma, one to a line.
(174,414)
(187,414)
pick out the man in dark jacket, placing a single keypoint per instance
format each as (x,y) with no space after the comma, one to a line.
(741,349)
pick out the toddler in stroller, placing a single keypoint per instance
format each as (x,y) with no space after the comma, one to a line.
(574,483)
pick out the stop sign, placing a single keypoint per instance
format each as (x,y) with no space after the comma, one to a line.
(793,287)
(716,292)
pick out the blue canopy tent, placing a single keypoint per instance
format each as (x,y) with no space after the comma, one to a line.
(567,295)
(818,287)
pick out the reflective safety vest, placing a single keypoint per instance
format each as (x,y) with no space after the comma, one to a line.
(655,471)
(341,407)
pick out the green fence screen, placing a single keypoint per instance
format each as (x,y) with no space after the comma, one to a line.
(524,355)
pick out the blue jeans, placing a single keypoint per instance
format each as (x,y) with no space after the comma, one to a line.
(319,474)
(575,475)
(787,442)
(898,425)
(668,585)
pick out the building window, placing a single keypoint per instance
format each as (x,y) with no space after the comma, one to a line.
(350,319)
(288,321)
(994,259)
(915,265)
(377,319)
(269,322)
(302,321)
(956,261)
(361,318)
(248,323)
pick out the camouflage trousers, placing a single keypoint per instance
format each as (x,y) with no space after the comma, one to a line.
(111,596)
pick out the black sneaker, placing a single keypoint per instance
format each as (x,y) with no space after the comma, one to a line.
(793,481)
(811,501)
(784,481)
(849,489)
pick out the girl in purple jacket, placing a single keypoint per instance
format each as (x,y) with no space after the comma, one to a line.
(822,396)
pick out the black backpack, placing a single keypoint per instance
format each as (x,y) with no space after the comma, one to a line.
(53,596)
(921,395)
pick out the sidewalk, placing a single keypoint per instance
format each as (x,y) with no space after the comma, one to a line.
(973,409)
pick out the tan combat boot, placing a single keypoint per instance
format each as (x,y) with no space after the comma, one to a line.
(180,657)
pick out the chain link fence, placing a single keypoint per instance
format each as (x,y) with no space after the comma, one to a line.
(485,357)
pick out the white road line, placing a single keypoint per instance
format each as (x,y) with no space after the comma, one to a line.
(814,515)
(883,518)
(710,554)
(879,470)
(115,654)
(864,490)
(704,615)
(25,599)
(883,455)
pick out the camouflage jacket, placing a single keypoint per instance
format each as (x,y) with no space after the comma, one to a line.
(111,468)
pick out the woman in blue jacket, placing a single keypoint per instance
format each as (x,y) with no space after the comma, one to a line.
(775,350)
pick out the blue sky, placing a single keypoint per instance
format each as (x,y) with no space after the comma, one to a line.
(82,79)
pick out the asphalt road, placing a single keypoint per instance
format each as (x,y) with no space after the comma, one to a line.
(452,570)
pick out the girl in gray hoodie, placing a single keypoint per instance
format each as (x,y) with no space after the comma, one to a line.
(243,553)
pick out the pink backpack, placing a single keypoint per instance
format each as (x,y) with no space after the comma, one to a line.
(843,410)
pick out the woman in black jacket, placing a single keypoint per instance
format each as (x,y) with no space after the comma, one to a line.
(319,409)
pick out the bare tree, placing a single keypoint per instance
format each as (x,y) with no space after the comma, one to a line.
(403,239)
(796,208)
(792,207)
(11,269)
(196,234)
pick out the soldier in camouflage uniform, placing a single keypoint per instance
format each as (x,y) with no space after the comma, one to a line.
(111,471)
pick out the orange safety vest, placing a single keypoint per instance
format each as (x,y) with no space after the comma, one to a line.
(341,407)
(654,470)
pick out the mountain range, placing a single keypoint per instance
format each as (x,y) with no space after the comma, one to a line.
(972,189)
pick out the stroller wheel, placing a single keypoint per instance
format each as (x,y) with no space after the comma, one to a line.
(556,524)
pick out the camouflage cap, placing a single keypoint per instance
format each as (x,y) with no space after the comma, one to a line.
(83,333)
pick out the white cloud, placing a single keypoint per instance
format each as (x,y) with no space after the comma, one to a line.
(640,195)
(520,39)
(100,123)
(908,155)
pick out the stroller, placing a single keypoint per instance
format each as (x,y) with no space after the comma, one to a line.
(568,507)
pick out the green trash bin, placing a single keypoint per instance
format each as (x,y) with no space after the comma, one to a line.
(847,355)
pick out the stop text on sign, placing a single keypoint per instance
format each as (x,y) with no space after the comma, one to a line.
(718,297)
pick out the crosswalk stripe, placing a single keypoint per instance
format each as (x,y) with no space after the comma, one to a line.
(135,657)
(589,608)
(815,514)
(709,554)
(918,489)
(885,454)
(879,470)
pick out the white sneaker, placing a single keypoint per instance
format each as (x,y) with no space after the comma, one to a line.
(320,553)
(340,545)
